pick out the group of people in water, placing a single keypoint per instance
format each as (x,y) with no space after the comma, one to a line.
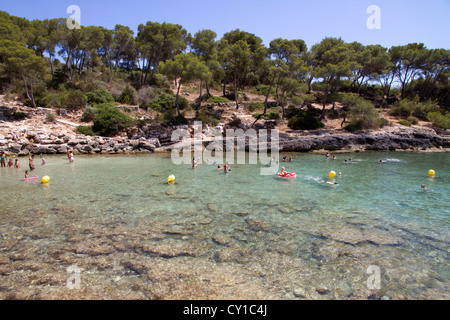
(8,163)
(5,162)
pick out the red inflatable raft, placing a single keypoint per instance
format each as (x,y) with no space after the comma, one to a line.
(287,175)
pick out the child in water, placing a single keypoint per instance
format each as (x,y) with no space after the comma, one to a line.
(17,164)
(3,160)
(26,174)
(43,161)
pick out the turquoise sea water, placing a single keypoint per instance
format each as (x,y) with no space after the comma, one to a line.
(302,218)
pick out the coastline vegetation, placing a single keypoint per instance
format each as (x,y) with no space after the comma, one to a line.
(95,69)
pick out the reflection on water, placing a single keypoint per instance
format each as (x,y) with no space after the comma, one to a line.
(235,235)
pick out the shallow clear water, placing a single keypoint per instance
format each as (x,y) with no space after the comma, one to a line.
(299,218)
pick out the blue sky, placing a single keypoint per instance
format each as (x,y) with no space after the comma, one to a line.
(402,21)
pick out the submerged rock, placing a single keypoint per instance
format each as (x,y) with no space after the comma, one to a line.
(354,236)
(257,225)
(229,255)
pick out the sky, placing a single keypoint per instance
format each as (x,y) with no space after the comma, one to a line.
(400,21)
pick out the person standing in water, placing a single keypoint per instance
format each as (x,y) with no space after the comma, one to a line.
(31,162)
(17,164)
(3,160)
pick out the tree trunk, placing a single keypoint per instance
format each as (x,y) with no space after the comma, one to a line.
(176,99)
(200,98)
(324,103)
(31,98)
(207,90)
(360,85)
(267,97)
(155,66)
(343,121)
(235,92)
(225,85)
(51,64)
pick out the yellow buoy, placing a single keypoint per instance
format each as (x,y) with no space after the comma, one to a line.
(171,178)
(45,179)
(431,172)
(332,174)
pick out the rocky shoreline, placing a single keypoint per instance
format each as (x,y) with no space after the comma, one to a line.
(156,138)
(35,136)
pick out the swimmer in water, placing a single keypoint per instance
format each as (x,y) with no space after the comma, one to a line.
(328,182)
(383,161)
(219,167)
(26,174)
(423,187)
(31,162)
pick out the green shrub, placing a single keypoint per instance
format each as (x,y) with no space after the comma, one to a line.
(362,115)
(145,95)
(354,126)
(54,100)
(86,130)
(109,120)
(99,96)
(407,108)
(163,103)
(267,116)
(73,100)
(263,89)
(218,100)
(405,123)
(382,122)
(19,115)
(180,119)
(305,120)
(251,107)
(439,120)
(128,96)
(206,117)
(413,120)
(88,114)
(50,117)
